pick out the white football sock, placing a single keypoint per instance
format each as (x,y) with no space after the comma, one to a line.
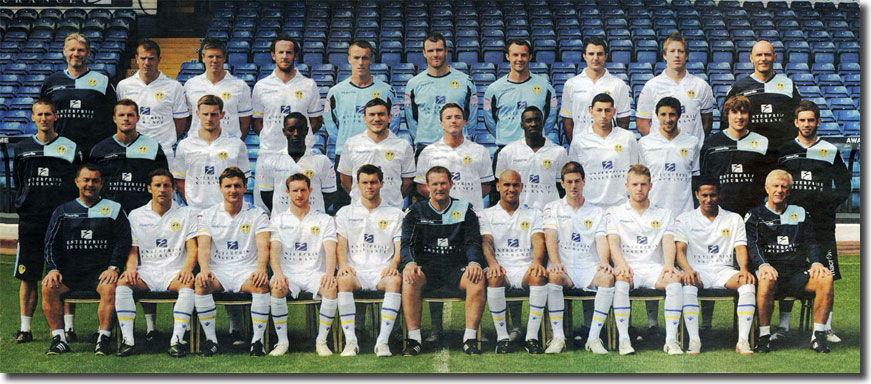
(414,335)
(25,323)
(207,313)
(818,327)
(691,311)
(496,304)
(326,315)
(389,313)
(672,309)
(828,322)
(181,314)
(348,313)
(601,306)
(745,310)
(104,332)
(278,309)
(149,322)
(652,313)
(125,307)
(59,332)
(537,301)
(259,315)
(764,331)
(556,307)
(622,308)
(69,322)
(470,334)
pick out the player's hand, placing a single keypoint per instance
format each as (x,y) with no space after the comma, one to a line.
(131,275)
(670,270)
(52,279)
(557,268)
(767,272)
(390,271)
(185,277)
(605,267)
(818,271)
(259,278)
(537,270)
(279,282)
(495,271)
(329,281)
(624,270)
(347,270)
(109,276)
(411,273)
(475,272)
(204,278)
(691,277)
(746,277)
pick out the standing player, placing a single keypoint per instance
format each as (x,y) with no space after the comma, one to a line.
(579,91)
(368,257)
(441,252)
(127,159)
(822,182)
(317,167)
(203,155)
(507,97)
(706,239)
(162,258)
(578,254)
(606,153)
(303,258)
(43,167)
(738,157)
(83,98)
(469,161)
(163,110)
(282,92)
(85,245)
(514,248)
(695,95)
(233,91)
(233,252)
(379,147)
(782,243)
(672,157)
(429,91)
(773,97)
(641,235)
(536,158)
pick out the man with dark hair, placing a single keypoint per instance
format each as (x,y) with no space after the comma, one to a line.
(426,93)
(508,96)
(773,97)
(317,167)
(235,92)
(162,258)
(43,167)
(233,253)
(83,98)
(86,243)
(163,110)
(579,91)
(695,95)
(441,253)
(822,182)
(380,147)
(284,91)
(536,158)
(127,158)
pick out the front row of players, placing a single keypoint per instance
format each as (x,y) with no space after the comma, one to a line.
(440,246)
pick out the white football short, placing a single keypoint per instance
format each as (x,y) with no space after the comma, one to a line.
(308,282)
(646,275)
(232,280)
(514,276)
(156,279)
(716,277)
(582,275)
(369,280)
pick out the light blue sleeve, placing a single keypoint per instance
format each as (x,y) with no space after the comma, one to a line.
(472,107)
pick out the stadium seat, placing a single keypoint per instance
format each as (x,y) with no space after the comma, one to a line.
(809,91)
(821,68)
(544,50)
(835,91)
(827,79)
(803,79)
(337,52)
(468,50)
(238,52)
(797,52)
(621,51)
(10,80)
(313,52)
(646,51)
(722,51)
(11,128)
(841,103)
(848,52)
(18,115)
(30,91)
(848,115)
(493,51)
(571,50)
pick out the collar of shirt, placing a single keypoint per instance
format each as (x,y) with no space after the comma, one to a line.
(274,77)
(819,139)
(150,207)
(161,77)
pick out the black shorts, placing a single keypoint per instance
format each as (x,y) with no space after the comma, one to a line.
(81,282)
(30,259)
(442,282)
(829,251)
(791,282)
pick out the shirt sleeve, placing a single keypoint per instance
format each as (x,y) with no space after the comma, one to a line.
(54,239)
(327,176)
(408,239)
(549,217)
(341,221)
(244,106)
(408,169)
(842,181)
(395,109)
(680,233)
(633,149)
(669,223)
(490,110)
(740,231)
(485,166)
(472,237)
(261,223)
(707,104)
(331,123)
(203,228)
(397,231)
(191,225)
(179,167)
(644,106)
(242,160)
(622,100)
(551,106)
(422,167)
(179,105)
(561,159)
(751,225)
(568,103)
(411,111)
(134,234)
(610,224)
(808,237)
(471,108)
(537,222)
(346,161)
(330,230)
(696,168)
(257,106)
(316,108)
(502,160)
(484,224)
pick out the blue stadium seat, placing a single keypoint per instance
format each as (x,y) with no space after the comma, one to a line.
(843,116)
(337,52)
(11,128)
(803,79)
(30,91)
(829,129)
(823,52)
(722,51)
(796,67)
(10,80)
(468,50)
(827,79)
(646,51)
(719,67)
(245,68)
(698,51)
(639,68)
(841,103)
(544,50)
(848,52)
(21,115)
(404,68)
(261,53)
(193,67)
(15,69)
(7,92)
(571,50)
(313,52)
(400,78)
(809,91)
(493,51)
(483,78)
(238,52)
(40,69)
(835,91)
(821,68)
(32,57)
(621,51)
(851,79)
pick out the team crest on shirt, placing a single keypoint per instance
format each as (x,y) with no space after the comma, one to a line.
(175,226)
(456,215)
(467,160)
(315,230)
(92,82)
(159,95)
(299,95)
(524,225)
(455,84)
(226,95)
(536,90)
(726,232)
(655,224)
(824,152)
(588,223)
(376,95)
(780,86)
(143,149)
(246,228)
(691,94)
(382,224)
(608,92)
(310,174)
(105,210)
(390,155)
(684,152)
(222,155)
(21,269)
(548,163)
(618,148)
(754,143)
(794,216)
(61,149)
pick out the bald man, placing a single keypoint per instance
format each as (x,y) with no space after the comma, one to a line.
(773,97)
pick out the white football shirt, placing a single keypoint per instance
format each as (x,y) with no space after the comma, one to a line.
(273,99)
(539,170)
(161,239)
(605,161)
(577,231)
(317,167)
(695,95)
(200,163)
(640,235)
(469,163)
(710,243)
(512,234)
(302,241)
(235,93)
(371,234)
(160,102)
(393,155)
(233,238)
(579,91)
(672,165)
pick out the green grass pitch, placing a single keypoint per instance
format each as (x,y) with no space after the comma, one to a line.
(717,356)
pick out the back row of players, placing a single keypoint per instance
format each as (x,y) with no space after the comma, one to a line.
(739,157)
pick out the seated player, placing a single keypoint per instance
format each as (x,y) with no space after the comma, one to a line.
(441,250)
(303,258)
(706,239)
(641,235)
(782,242)
(577,247)
(369,243)
(87,239)
(233,251)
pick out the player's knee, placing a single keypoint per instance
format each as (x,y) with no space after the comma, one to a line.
(346,284)
(392,283)
(537,280)
(605,280)
(495,282)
